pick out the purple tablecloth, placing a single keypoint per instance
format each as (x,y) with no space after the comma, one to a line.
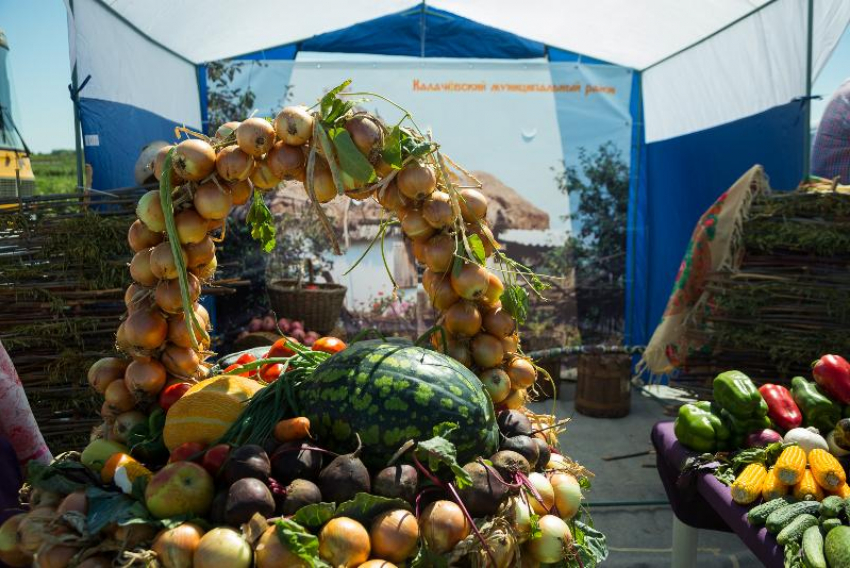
(711,507)
(10,482)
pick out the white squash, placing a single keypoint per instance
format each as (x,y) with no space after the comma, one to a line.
(806,438)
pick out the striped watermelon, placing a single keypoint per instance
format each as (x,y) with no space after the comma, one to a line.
(390,393)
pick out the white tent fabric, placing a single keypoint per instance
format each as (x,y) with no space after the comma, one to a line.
(709,62)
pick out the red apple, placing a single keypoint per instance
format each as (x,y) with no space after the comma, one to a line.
(180,488)
(189,451)
(215,457)
(170,394)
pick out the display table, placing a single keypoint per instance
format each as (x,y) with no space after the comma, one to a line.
(706,503)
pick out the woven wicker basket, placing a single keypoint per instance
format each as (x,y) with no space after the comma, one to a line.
(318,307)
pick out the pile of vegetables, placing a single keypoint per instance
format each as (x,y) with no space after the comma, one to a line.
(799,477)
(294,329)
(313,453)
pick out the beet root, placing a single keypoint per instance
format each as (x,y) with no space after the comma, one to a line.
(486,493)
(245,498)
(246,461)
(509,462)
(300,493)
(513,423)
(345,477)
(545,452)
(293,460)
(524,446)
(397,481)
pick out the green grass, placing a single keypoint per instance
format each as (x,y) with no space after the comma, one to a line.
(55,172)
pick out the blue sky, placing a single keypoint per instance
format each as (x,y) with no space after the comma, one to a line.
(37,33)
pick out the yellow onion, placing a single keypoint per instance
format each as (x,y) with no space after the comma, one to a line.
(255,136)
(554,541)
(104,371)
(471,281)
(175,547)
(521,513)
(391,198)
(473,205)
(263,177)
(140,268)
(140,237)
(416,181)
(285,160)
(443,296)
(145,378)
(149,211)
(440,252)
(10,552)
(75,501)
(34,527)
(567,494)
(443,525)
(193,159)
(163,265)
(95,562)
(543,505)
(430,278)
(233,164)
(167,294)
(323,181)
(125,422)
(159,165)
(55,555)
(178,334)
(145,329)
(191,226)
(135,534)
(522,373)
(181,361)
(241,192)
(510,344)
(366,133)
(494,290)
(271,553)
(118,397)
(294,125)
(486,350)
(498,322)
(213,200)
(496,383)
(394,535)
(200,253)
(344,542)
(223,547)
(414,225)
(437,210)
(226,130)
(462,319)
(516,399)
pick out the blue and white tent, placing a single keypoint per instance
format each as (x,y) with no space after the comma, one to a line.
(719,85)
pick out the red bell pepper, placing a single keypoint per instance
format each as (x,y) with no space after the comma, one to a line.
(832,374)
(781,406)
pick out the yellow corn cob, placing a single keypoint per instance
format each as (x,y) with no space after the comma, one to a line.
(842,491)
(791,465)
(747,487)
(772,487)
(826,470)
(807,488)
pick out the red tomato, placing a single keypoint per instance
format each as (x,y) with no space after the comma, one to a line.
(229,369)
(215,457)
(245,358)
(190,451)
(329,345)
(270,373)
(172,393)
(279,349)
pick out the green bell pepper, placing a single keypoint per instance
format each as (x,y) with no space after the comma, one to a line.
(699,429)
(818,410)
(741,427)
(736,393)
(145,440)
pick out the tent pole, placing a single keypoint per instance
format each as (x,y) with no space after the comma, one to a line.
(78,131)
(807,124)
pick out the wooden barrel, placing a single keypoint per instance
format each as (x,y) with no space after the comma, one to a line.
(604,385)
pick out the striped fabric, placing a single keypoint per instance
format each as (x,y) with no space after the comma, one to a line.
(831,148)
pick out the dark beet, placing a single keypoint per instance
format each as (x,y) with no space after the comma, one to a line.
(291,461)
(270,445)
(344,477)
(246,461)
(513,423)
(217,509)
(396,481)
(245,498)
(486,493)
(300,493)
(545,452)
(524,446)
(508,462)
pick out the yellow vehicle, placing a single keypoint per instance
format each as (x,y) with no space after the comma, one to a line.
(16,177)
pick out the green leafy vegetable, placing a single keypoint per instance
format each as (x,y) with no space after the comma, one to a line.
(365,507)
(300,542)
(315,515)
(262,225)
(59,477)
(351,160)
(477,248)
(426,558)
(329,101)
(515,301)
(106,507)
(438,451)
(590,543)
(391,152)
(729,468)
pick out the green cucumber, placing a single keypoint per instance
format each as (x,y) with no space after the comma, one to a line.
(758,514)
(837,548)
(793,532)
(783,516)
(813,548)
(831,506)
(827,525)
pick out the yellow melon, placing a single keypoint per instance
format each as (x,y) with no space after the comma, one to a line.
(207,410)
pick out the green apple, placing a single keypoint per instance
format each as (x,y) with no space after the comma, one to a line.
(98,451)
(179,488)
